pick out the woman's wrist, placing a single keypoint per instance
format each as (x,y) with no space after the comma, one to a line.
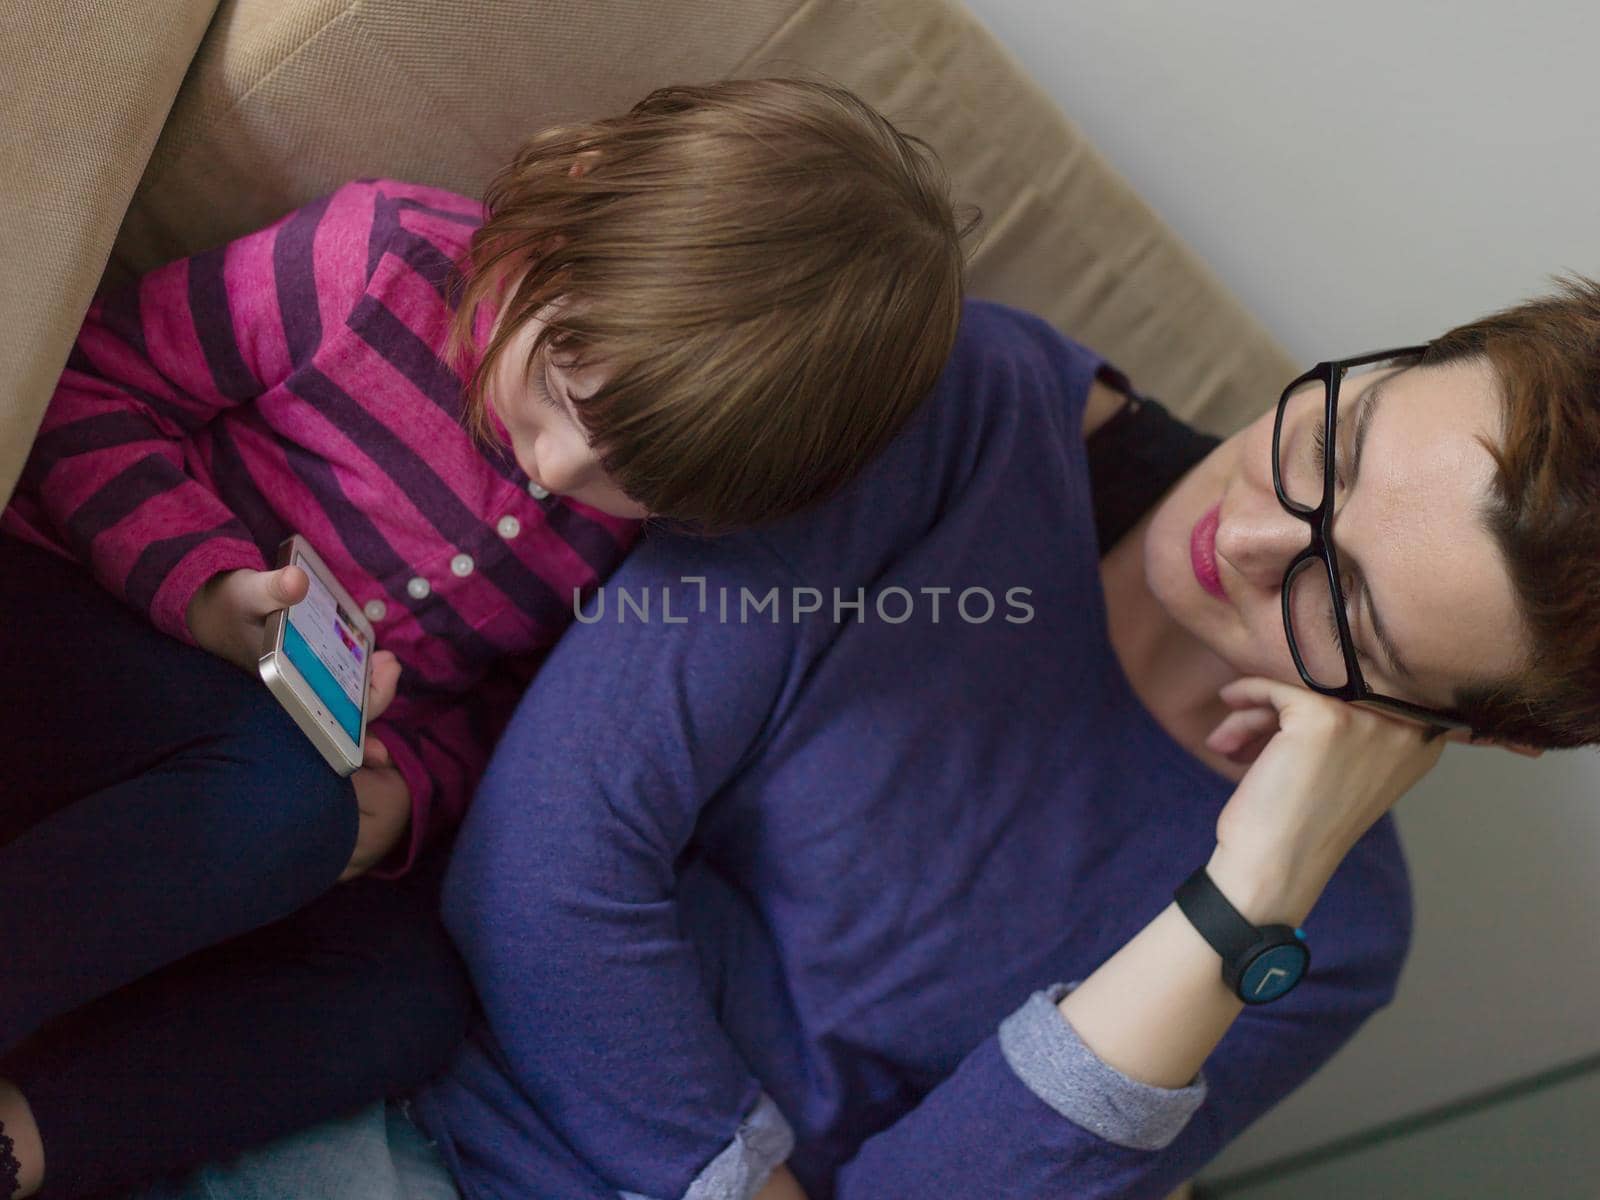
(1267,889)
(1158,1007)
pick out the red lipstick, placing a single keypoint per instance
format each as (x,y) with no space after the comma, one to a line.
(1203,552)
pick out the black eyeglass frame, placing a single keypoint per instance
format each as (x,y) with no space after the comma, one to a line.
(1320,518)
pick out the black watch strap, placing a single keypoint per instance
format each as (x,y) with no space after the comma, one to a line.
(1259,963)
(1208,910)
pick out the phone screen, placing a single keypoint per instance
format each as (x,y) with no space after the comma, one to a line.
(329,652)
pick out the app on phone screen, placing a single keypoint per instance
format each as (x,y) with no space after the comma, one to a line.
(328,651)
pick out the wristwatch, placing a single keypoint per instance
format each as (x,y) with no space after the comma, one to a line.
(1259,962)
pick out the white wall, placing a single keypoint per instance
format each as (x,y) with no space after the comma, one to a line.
(1362,175)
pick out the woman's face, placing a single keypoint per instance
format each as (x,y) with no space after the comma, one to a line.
(1407,527)
(546,437)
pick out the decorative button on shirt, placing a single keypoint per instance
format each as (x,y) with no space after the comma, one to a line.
(376,610)
(418,588)
(537,492)
(509,527)
(461,566)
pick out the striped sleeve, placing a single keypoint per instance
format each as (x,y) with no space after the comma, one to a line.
(154,363)
(441,746)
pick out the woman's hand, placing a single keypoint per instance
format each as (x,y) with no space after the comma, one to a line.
(1323,772)
(382,796)
(1326,770)
(228,615)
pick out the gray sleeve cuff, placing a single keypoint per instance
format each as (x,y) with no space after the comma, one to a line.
(762,1141)
(1046,1053)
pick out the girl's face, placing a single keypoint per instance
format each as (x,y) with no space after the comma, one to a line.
(546,437)
(1417,563)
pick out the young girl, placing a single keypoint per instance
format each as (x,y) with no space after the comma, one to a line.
(713,309)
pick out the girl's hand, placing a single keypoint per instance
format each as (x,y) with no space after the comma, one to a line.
(382,797)
(781,1185)
(384,802)
(1323,772)
(228,615)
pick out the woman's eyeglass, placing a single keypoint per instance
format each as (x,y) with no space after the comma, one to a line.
(1304,457)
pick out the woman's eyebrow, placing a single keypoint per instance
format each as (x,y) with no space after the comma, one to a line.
(1396,667)
(1369,401)
(1368,404)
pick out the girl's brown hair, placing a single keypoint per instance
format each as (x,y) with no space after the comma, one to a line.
(770,272)
(1545,511)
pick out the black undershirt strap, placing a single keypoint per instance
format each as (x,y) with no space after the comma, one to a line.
(1135,457)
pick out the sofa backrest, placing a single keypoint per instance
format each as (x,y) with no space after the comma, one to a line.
(286,99)
(85,91)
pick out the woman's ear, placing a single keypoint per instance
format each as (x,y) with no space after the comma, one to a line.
(583,163)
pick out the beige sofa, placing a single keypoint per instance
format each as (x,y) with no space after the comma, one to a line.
(149,130)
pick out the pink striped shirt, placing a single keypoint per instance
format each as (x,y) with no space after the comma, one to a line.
(293,382)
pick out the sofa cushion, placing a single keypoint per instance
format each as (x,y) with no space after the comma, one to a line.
(289,98)
(85,91)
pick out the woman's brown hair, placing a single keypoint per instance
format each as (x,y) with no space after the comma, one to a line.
(1545,511)
(768,270)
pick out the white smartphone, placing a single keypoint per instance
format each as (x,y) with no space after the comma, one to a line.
(317,660)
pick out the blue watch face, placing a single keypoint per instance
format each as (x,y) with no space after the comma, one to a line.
(1272,973)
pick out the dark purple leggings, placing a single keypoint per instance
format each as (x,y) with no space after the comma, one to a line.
(180,974)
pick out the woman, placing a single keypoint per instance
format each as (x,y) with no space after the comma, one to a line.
(790,908)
